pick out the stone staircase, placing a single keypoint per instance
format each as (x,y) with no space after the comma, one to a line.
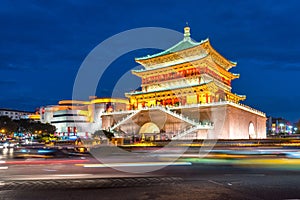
(125,119)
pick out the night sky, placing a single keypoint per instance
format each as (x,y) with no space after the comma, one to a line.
(43,44)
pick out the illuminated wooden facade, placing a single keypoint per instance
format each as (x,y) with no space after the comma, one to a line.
(187,73)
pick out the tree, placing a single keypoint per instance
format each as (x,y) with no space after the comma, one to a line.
(7,125)
(30,126)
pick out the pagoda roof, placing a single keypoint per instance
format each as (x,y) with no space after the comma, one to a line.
(144,71)
(186,60)
(186,43)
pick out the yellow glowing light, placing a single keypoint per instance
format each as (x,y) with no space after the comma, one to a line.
(35,117)
(62,102)
(84,112)
(109,100)
(94,101)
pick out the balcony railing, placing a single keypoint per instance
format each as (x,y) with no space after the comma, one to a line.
(242,106)
(195,122)
(170,108)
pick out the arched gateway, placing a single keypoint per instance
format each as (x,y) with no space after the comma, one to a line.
(252,133)
(149,127)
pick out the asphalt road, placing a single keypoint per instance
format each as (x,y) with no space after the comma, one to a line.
(187,182)
(86,178)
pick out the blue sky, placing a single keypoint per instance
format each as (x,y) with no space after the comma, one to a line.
(43,44)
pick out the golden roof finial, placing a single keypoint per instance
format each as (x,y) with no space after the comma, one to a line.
(187,33)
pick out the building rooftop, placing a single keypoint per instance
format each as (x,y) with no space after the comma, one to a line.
(186,43)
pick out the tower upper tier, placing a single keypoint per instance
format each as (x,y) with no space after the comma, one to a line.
(183,51)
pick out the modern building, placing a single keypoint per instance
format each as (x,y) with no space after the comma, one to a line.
(15,114)
(186,94)
(80,118)
(279,125)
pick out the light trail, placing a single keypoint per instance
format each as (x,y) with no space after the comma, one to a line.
(5,167)
(280,163)
(141,164)
(71,175)
(40,162)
